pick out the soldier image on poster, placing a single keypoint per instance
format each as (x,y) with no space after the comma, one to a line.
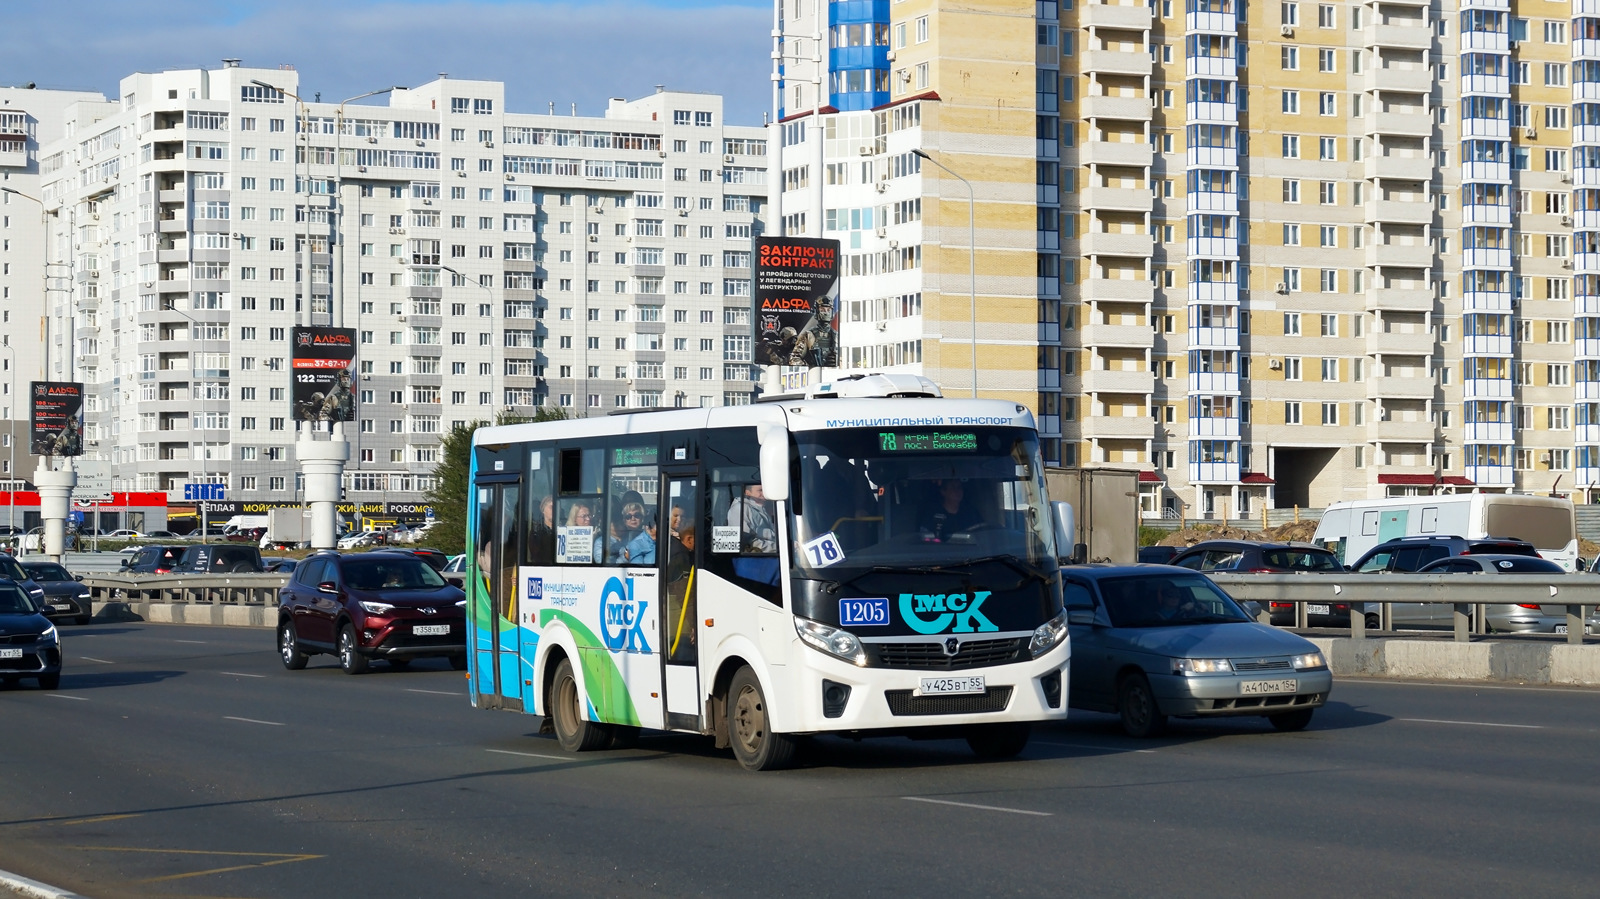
(323,361)
(56,419)
(817,346)
(795,302)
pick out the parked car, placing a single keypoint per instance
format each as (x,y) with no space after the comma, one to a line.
(1249,557)
(359,539)
(1411,553)
(33,646)
(1507,618)
(244,535)
(388,605)
(435,558)
(224,557)
(455,571)
(163,535)
(1149,643)
(65,596)
(125,534)
(1157,555)
(280,566)
(154,558)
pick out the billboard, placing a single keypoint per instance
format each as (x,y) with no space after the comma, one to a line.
(55,418)
(322,362)
(796,296)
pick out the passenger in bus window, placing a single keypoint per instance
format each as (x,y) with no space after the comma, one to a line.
(578,514)
(757,531)
(641,550)
(627,525)
(542,535)
(680,601)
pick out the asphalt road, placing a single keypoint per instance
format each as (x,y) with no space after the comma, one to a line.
(184,761)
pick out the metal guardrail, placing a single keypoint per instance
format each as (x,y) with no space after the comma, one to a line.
(1468,595)
(233,589)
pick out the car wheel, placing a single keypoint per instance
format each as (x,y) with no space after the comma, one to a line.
(1136,704)
(574,730)
(50,681)
(749,727)
(459,663)
(289,647)
(1373,622)
(1288,722)
(999,741)
(350,657)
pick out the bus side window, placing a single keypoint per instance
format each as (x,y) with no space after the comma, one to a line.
(740,530)
(540,543)
(580,519)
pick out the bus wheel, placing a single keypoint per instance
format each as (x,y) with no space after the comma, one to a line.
(999,741)
(573,729)
(754,744)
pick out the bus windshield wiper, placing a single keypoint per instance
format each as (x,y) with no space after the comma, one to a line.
(1016,564)
(836,586)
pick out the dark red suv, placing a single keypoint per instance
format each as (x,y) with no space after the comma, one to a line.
(360,606)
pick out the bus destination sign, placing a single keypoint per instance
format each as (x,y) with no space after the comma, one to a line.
(928,441)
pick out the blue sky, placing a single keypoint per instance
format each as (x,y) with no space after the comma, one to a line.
(561,51)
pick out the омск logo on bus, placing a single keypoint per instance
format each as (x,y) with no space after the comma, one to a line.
(949,608)
(622,618)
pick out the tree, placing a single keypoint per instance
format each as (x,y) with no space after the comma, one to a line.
(451,479)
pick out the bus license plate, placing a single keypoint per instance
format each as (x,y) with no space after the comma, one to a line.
(944,686)
(1317,609)
(430,630)
(7,653)
(1257,687)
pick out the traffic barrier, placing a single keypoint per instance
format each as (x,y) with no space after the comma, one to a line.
(246,600)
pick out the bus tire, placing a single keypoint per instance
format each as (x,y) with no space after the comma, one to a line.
(754,744)
(999,741)
(574,730)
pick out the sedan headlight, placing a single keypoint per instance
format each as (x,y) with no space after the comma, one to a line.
(1049,635)
(377,608)
(49,636)
(1202,666)
(831,640)
(1308,661)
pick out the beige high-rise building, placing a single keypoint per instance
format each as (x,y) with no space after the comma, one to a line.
(1278,253)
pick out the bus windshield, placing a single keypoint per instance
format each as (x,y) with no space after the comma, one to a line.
(920,497)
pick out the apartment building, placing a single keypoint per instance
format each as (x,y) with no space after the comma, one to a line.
(489,260)
(1285,253)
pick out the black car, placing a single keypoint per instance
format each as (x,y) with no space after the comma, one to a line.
(154,559)
(1157,555)
(281,566)
(1248,557)
(219,558)
(387,604)
(29,643)
(65,596)
(14,573)
(436,559)
(1404,554)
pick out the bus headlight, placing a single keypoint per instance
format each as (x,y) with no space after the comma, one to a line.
(831,640)
(1049,635)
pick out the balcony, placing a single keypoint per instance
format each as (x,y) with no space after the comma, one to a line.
(1104,381)
(1490,475)
(1415,212)
(1213,472)
(1485,41)
(1101,243)
(1400,387)
(1414,80)
(1486,345)
(1211,67)
(1097,335)
(1212,157)
(1401,431)
(1213,292)
(1213,248)
(1486,432)
(1213,201)
(1399,343)
(1413,124)
(1211,112)
(1481,214)
(1418,255)
(1490,129)
(1486,301)
(1101,152)
(1213,338)
(1496,172)
(1122,199)
(1126,427)
(1410,37)
(1213,427)
(1486,257)
(1215,22)
(1130,108)
(1117,62)
(1106,15)
(1118,289)
(1214,382)
(1409,168)
(1486,389)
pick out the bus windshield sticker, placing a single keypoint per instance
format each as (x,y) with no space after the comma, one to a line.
(824,551)
(867,612)
(575,545)
(927,441)
(725,539)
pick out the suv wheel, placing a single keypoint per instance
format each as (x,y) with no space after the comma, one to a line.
(350,657)
(289,647)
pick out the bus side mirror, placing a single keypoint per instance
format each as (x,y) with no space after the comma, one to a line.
(774,462)
(1066,528)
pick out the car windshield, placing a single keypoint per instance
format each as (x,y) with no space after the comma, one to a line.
(10,569)
(1302,560)
(920,497)
(389,573)
(16,602)
(1161,600)
(45,571)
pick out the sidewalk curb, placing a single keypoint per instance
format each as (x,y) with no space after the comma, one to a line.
(34,889)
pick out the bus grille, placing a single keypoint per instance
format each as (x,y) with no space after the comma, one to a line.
(994,699)
(930,656)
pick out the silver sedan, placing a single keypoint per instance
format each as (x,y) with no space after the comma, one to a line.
(1152,641)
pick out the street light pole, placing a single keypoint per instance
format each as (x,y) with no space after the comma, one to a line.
(11,469)
(972,252)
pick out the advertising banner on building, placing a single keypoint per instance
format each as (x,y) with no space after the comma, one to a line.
(323,366)
(796,295)
(55,419)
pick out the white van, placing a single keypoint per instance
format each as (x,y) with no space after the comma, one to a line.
(1549,523)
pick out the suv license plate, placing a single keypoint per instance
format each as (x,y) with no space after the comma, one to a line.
(1317,609)
(944,686)
(1256,687)
(8,653)
(430,630)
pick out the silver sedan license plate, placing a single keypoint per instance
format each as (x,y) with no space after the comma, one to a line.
(430,630)
(1258,687)
(9,653)
(945,686)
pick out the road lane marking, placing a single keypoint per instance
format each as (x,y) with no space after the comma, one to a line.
(1087,746)
(188,641)
(1474,723)
(435,692)
(987,808)
(240,674)
(273,858)
(531,755)
(65,696)
(96,820)
(252,721)
(101,661)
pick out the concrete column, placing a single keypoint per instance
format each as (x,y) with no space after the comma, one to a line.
(55,498)
(322,462)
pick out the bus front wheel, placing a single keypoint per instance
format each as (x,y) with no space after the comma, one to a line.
(754,744)
(573,729)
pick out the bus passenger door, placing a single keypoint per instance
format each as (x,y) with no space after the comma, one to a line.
(680,637)
(503,588)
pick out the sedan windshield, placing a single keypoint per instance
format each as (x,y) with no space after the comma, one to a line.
(16,602)
(920,497)
(389,573)
(1160,600)
(44,571)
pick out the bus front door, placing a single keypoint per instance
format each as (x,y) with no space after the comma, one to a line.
(499,665)
(680,637)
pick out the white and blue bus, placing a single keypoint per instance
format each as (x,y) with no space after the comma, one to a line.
(867,559)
